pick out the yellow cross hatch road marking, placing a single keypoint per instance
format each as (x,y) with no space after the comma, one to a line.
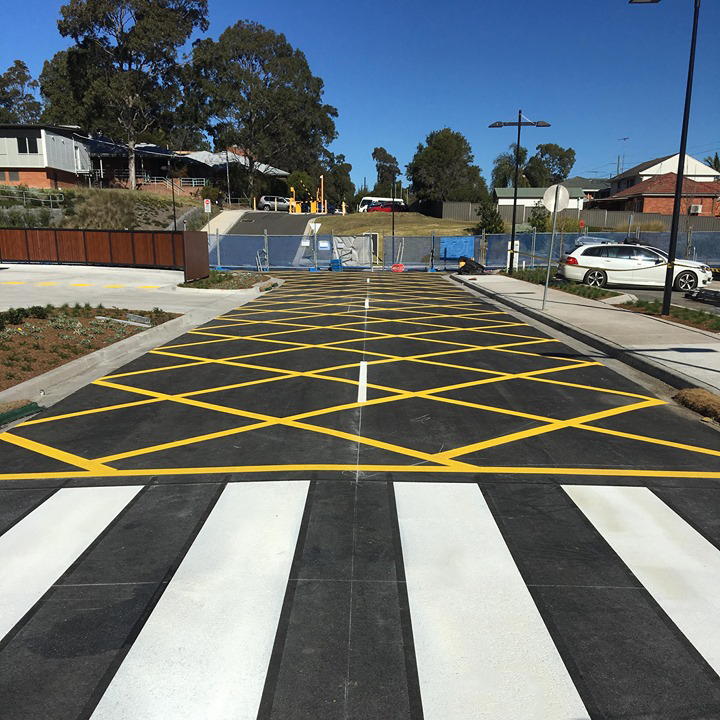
(415,312)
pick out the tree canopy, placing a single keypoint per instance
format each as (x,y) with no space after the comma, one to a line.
(121,75)
(713,161)
(264,99)
(549,165)
(442,169)
(18,98)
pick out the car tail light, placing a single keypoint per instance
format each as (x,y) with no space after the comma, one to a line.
(570,260)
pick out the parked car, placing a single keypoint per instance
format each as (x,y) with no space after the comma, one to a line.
(386,207)
(267,202)
(616,264)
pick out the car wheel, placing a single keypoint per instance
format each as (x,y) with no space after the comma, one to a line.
(266,207)
(595,278)
(686,281)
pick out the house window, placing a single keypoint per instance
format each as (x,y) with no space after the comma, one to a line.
(13,176)
(27,145)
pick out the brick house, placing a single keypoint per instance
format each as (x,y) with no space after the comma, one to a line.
(43,156)
(657,195)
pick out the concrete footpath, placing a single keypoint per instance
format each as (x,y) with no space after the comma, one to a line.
(678,355)
(131,288)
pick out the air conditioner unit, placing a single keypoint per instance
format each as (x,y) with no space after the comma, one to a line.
(695,209)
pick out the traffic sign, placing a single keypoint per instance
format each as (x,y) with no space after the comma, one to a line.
(208,205)
(563,198)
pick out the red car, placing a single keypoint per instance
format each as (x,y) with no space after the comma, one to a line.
(386,207)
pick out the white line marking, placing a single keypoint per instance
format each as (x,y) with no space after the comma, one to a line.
(37,551)
(367,303)
(678,566)
(362,382)
(204,651)
(482,649)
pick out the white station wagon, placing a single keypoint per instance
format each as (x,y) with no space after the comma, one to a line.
(620,264)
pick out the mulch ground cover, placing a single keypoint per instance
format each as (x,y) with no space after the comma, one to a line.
(35,340)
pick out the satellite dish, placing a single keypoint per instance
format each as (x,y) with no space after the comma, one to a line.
(563,198)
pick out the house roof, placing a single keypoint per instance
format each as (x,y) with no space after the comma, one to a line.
(527,193)
(639,168)
(665,185)
(587,183)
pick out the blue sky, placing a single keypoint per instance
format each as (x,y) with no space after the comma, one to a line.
(597,70)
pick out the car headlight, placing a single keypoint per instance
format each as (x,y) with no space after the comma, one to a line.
(706,268)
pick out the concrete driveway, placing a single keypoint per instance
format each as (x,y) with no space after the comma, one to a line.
(132,288)
(276,223)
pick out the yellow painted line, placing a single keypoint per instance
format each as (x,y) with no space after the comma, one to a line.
(415,469)
(159,369)
(114,286)
(13,282)
(47,451)
(45,284)
(82,284)
(532,432)
(654,441)
(148,287)
(92,411)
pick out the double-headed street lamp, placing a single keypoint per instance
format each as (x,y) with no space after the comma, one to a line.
(521,121)
(672,250)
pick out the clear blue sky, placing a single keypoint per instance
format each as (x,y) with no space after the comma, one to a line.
(597,70)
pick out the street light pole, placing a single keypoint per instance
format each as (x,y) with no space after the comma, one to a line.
(515,190)
(677,205)
(519,124)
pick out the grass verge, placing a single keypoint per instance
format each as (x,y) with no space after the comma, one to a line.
(226,281)
(406,224)
(537,276)
(684,316)
(35,340)
(701,401)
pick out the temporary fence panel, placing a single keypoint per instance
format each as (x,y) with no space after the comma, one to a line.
(414,252)
(290,251)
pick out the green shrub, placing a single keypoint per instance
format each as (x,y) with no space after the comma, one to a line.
(14,316)
(37,311)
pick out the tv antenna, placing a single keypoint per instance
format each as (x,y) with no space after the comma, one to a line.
(623,140)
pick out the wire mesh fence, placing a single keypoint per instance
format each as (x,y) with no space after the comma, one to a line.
(430,252)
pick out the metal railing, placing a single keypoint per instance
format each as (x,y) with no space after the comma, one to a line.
(51,199)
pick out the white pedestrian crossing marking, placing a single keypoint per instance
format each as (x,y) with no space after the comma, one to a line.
(40,548)
(678,567)
(205,650)
(483,651)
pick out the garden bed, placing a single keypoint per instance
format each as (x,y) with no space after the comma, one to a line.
(538,277)
(235,280)
(684,316)
(35,340)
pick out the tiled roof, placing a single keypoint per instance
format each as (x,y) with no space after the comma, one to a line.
(665,185)
(586,183)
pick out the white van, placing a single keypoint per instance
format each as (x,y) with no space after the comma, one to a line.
(365,202)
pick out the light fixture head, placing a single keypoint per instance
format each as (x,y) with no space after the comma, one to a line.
(542,123)
(497,124)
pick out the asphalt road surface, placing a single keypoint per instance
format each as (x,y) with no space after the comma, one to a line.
(361,496)
(276,223)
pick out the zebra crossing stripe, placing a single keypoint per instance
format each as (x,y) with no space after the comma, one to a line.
(677,566)
(36,551)
(483,651)
(204,651)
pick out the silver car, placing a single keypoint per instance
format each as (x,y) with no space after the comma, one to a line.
(274,202)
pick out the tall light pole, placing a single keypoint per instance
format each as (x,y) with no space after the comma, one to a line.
(672,250)
(519,124)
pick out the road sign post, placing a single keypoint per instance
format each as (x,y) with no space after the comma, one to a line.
(555,199)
